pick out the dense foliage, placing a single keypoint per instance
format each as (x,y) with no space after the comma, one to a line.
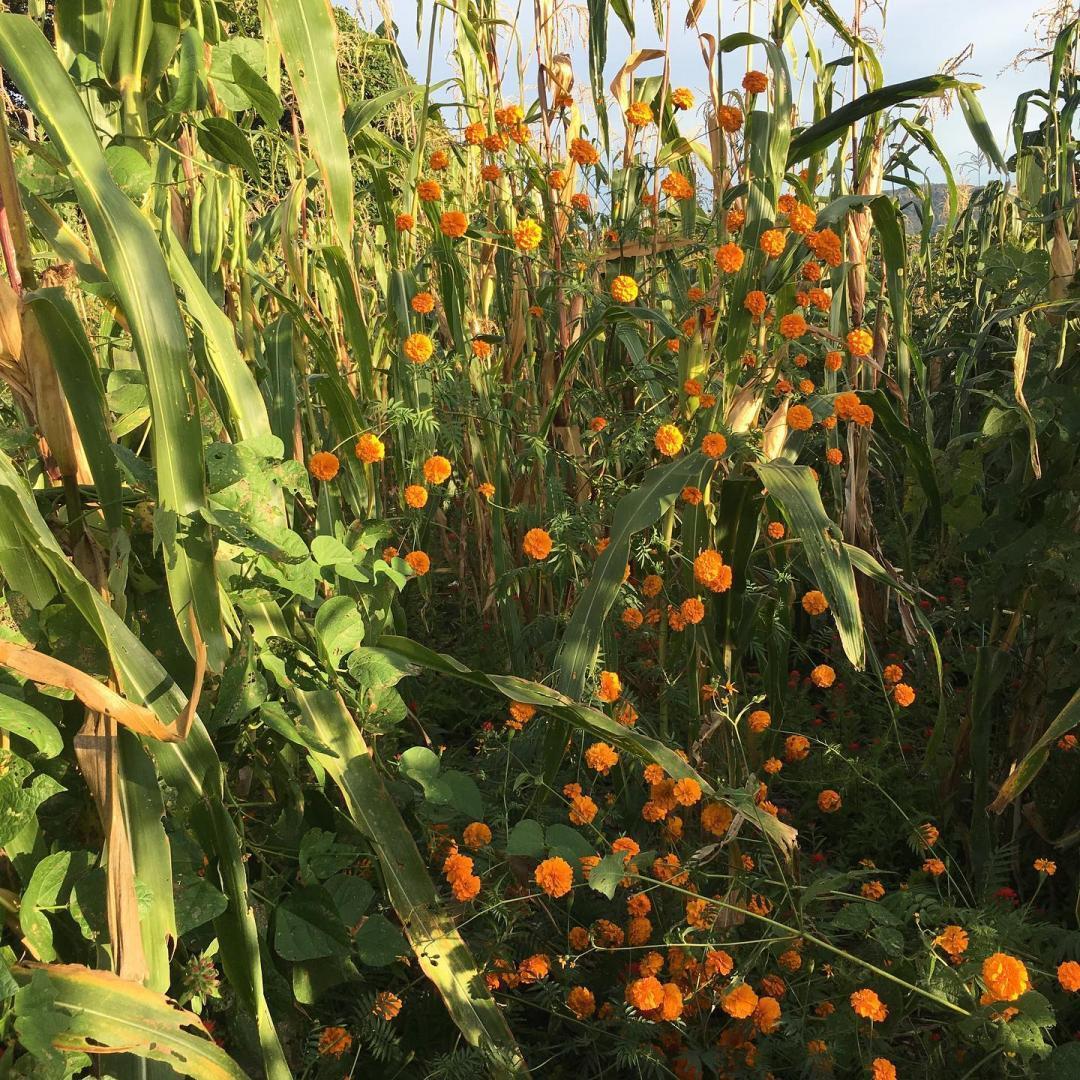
(485,595)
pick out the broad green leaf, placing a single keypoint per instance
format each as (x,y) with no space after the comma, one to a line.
(105,1014)
(26,722)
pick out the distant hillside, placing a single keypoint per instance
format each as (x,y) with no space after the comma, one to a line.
(939,198)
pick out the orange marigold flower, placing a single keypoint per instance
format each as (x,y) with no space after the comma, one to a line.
(953,940)
(423,302)
(819,299)
(755,302)
(416,496)
(692,610)
(556,180)
(903,695)
(734,219)
(868,1005)
(772,243)
(578,939)
(708,567)
(860,342)
(714,445)
(718,962)
(486,490)
(418,348)
(810,271)
(520,714)
(639,114)
(845,405)
(833,360)
(580,1002)
(677,186)
(758,721)
(334,1041)
(793,326)
(436,469)
(581,202)
(429,191)
(872,890)
(554,876)
(386,1005)
(453,223)
(370,448)
(534,968)
(739,1002)
(632,618)
(491,173)
(583,152)
(1005,977)
(767,1015)
(682,98)
(730,118)
(624,289)
(716,818)
(638,930)
(494,142)
(687,791)
(814,602)
(537,544)
(826,246)
(828,801)
(796,748)
(1046,866)
(600,757)
(324,465)
(776,530)
(439,160)
(1068,975)
(882,1069)
(893,673)
(527,236)
(645,994)
(823,676)
(476,836)
(652,585)
(691,495)
(730,258)
(801,218)
(668,440)
(834,456)
(481,349)
(419,562)
(404,222)
(800,418)
(474,134)
(755,82)
(610,687)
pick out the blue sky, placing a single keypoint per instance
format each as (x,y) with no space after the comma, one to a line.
(917,36)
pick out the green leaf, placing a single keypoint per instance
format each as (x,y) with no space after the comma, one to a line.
(222,139)
(43,890)
(100,1013)
(379,942)
(306,35)
(307,926)
(979,128)
(26,722)
(133,261)
(197,902)
(339,626)
(526,838)
(794,490)
(434,939)
(606,875)
(257,90)
(820,136)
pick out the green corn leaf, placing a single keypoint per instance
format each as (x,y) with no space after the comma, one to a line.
(136,268)
(794,490)
(439,948)
(306,36)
